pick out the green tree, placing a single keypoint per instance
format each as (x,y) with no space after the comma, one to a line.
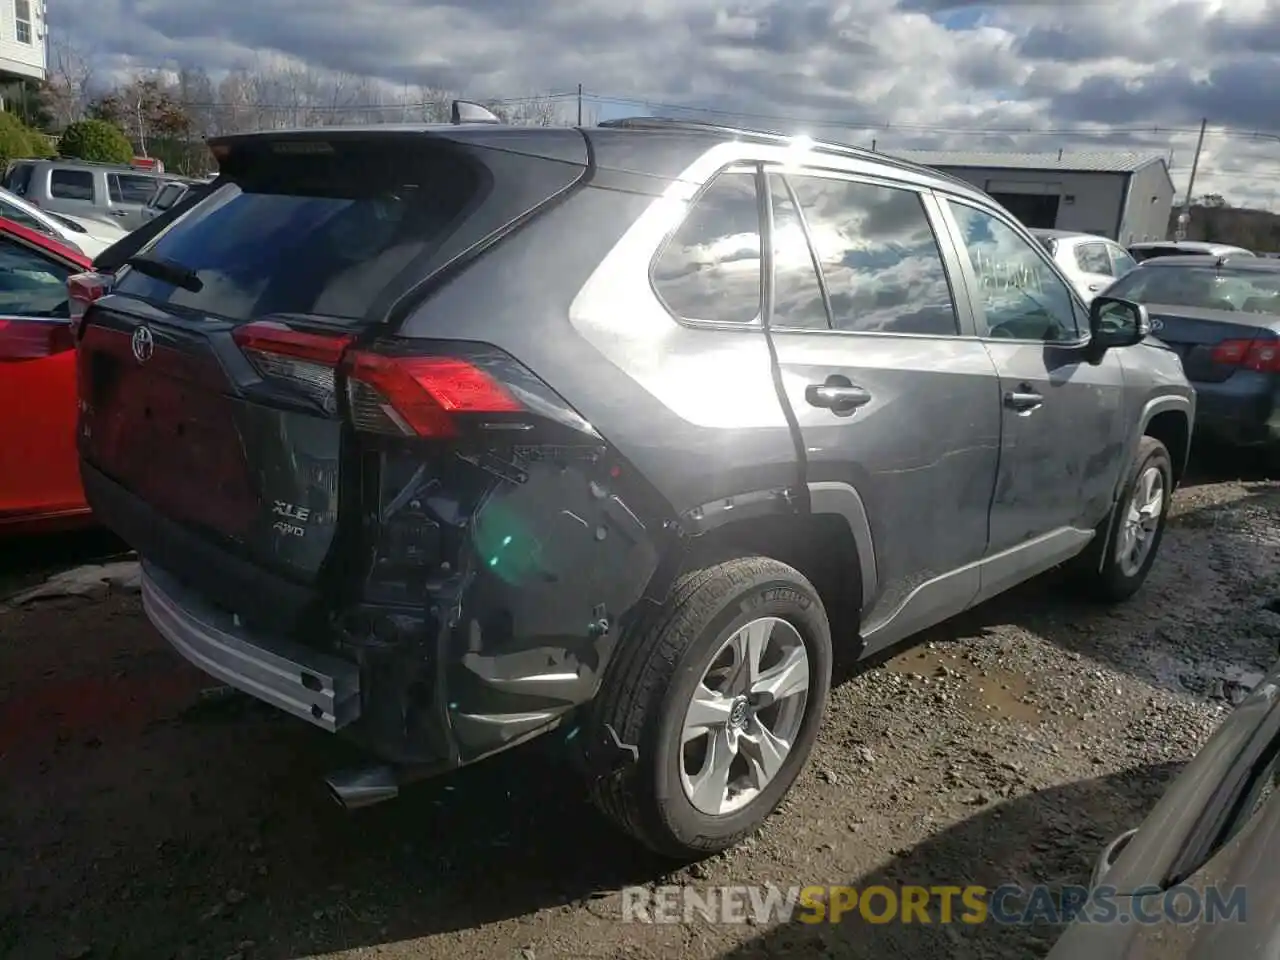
(96,140)
(17,140)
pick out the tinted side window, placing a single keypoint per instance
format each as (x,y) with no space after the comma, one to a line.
(879,256)
(797,295)
(31,285)
(1092,258)
(710,269)
(71,184)
(1022,297)
(129,188)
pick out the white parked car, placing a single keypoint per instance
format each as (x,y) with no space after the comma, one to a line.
(1091,263)
(88,236)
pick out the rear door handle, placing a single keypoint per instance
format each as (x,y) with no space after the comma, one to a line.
(1024,400)
(837,395)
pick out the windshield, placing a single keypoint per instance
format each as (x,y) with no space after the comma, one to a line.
(1206,288)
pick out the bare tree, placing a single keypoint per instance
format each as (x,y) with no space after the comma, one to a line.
(68,81)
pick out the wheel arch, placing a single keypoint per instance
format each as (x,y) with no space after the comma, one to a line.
(831,543)
(1168,419)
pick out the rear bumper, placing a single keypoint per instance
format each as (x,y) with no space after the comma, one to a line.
(311,685)
(1243,410)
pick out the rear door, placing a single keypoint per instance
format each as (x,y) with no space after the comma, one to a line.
(1094,266)
(893,395)
(73,190)
(129,194)
(1062,440)
(38,473)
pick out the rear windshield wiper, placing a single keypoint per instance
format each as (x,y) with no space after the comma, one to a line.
(168,271)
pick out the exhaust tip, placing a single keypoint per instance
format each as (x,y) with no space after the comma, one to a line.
(353,789)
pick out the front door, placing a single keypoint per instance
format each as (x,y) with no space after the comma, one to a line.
(1062,442)
(892,400)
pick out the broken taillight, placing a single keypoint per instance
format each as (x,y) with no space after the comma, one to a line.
(413,396)
(305,360)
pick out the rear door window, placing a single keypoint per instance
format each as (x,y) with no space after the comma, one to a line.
(131,188)
(798,298)
(710,269)
(1092,258)
(879,257)
(165,197)
(320,233)
(1121,262)
(71,184)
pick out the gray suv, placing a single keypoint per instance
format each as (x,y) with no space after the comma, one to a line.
(448,437)
(115,193)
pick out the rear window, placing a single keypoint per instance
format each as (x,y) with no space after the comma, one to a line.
(131,188)
(322,232)
(71,184)
(1206,288)
(18,179)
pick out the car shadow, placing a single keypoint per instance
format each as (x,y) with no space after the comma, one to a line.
(1049,837)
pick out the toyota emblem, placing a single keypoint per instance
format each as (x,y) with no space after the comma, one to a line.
(143,344)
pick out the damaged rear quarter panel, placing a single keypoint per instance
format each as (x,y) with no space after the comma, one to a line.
(515,565)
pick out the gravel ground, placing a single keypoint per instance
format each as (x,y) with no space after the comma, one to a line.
(139,818)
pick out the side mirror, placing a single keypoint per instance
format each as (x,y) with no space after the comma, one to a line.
(1117,323)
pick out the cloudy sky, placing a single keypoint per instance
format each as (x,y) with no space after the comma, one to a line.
(910,73)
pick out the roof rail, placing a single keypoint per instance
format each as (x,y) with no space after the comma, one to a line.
(762,136)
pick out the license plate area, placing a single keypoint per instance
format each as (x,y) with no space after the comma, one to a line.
(174,443)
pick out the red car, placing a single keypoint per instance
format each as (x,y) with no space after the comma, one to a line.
(39,472)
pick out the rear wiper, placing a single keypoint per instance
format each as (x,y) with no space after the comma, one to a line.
(168,271)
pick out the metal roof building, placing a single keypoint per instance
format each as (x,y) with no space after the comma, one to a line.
(1122,195)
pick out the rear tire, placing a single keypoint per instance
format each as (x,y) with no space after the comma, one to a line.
(670,797)
(1132,533)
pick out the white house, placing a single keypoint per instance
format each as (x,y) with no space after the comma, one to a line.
(23,48)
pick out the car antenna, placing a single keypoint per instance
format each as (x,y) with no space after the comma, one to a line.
(467,111)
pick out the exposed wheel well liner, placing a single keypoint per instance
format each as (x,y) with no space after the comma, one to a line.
(1171,428)
(821,546)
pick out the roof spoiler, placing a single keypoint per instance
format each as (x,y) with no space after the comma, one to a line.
(467,111)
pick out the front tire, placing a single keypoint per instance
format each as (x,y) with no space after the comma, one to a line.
(721,695)
(1135,527)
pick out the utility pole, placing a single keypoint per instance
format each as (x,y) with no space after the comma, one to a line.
(1184,218)
(579,104)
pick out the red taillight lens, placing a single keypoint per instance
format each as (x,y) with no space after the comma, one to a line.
(417,396)
(1262,356)
(34,339)
(412,396)
(83,289)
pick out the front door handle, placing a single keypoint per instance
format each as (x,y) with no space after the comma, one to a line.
(1095,287)
(1023,400)
(837,395)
